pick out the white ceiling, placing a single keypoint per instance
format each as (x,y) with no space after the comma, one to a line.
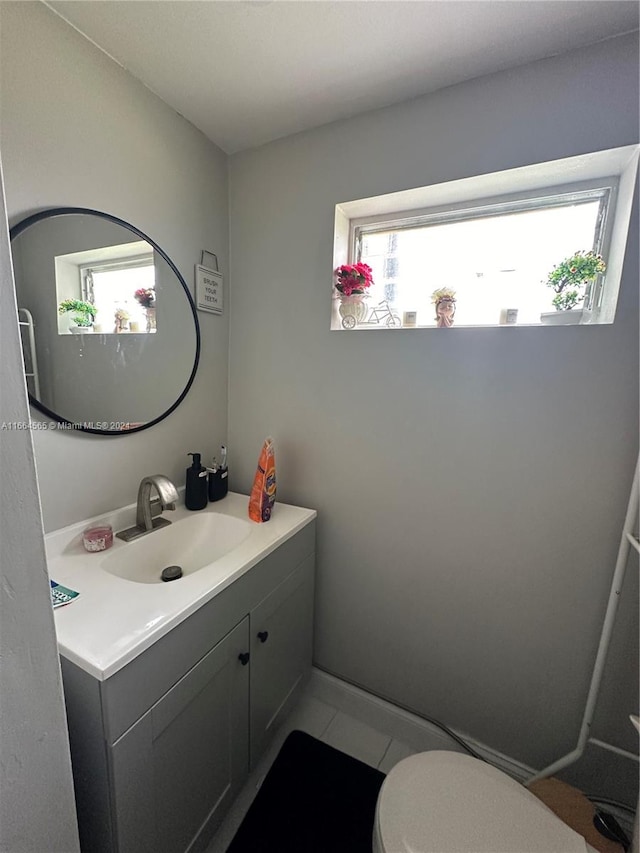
(249,71)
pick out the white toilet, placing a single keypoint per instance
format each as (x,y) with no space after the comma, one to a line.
(446,802)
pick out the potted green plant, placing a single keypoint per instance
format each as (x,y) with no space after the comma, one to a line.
(82,317)
(569,280)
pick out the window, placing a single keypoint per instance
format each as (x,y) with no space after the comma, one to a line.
(493,239)
(118,281)
(495,256)
(111,286)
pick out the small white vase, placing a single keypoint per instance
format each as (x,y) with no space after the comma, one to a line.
(562,318)
(353,310)
(151,319)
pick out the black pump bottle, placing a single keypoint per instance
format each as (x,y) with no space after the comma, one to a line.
(195,494)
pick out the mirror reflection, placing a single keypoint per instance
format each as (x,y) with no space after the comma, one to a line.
(109,330)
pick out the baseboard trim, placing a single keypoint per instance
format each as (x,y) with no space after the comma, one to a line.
(379,713)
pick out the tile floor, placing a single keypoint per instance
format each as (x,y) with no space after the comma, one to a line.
(341,730)
(376,733)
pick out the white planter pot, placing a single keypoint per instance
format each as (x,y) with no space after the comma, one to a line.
(562,318)
(81,330)
(353,310)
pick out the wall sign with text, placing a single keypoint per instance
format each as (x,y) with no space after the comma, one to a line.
(208,290)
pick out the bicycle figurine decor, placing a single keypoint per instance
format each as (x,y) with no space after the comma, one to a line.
(383,311)
(352,283)
(444,300)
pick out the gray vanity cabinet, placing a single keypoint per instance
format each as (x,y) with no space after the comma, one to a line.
(177,769)
(161,748)
(281,647)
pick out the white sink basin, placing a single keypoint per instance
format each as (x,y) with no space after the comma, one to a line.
(123,606)
(191,543)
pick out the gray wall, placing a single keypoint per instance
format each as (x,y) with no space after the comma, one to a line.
(77,130)
(37,809)
(471,485)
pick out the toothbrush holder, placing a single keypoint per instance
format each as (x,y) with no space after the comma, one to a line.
(218,484)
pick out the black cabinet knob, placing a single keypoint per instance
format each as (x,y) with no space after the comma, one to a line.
(243,657)
(263,636)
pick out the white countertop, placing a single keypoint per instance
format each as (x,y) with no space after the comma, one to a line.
(113,620)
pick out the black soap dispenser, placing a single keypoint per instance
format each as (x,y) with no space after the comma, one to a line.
(195,495)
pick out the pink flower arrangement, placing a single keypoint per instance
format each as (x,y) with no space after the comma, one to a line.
(146,296)
(353,278)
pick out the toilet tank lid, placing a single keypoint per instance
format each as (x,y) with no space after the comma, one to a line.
(445,802)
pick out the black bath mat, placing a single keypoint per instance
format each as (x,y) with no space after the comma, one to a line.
(315,799)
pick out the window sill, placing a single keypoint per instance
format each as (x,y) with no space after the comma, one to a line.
(381,327)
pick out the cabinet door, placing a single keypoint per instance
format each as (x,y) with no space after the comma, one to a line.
(175,772)
(281,649)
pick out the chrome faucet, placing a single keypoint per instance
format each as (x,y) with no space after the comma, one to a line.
(148,508)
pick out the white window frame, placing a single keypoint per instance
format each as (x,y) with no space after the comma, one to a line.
(73,270)
(539,185)
(604,192)
(87,270)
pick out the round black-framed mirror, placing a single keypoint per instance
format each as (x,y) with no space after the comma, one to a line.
(110,331)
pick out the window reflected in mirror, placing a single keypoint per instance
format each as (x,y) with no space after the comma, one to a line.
(107,290)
